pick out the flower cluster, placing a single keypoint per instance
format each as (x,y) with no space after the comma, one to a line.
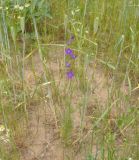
(69,52)
(4,134)
(16,7)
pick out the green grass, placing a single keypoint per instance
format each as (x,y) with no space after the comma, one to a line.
(106,42)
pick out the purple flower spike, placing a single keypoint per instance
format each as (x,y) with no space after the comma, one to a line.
(68,51)
(72,37)
(67,64)
(73,56)
(70,40)
(70,75)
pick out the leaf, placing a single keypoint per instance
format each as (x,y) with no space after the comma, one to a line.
(13,33)
(22,24)
(90,157)
(34,3)
(48,15)
(96,24)
(108,64)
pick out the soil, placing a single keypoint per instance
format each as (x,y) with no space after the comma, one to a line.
(43,140)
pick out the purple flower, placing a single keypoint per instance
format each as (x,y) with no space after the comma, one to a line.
(68,51)
(72,37)
(70,40)
(68,64)
(70,75)
(73,56)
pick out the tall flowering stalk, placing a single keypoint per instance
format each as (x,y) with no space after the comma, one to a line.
(69,53)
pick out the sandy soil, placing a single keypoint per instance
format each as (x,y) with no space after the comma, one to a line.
(43,139)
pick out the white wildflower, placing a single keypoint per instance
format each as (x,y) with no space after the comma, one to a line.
(27,5)
(19,17)
(2,128)
(77,10)
(6,8)
(86,31)
(5,139)
(78,30)
(73,13)
(16,6)
(5,92)
(21,8)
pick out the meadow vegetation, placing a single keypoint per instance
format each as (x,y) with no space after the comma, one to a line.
(74,66)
